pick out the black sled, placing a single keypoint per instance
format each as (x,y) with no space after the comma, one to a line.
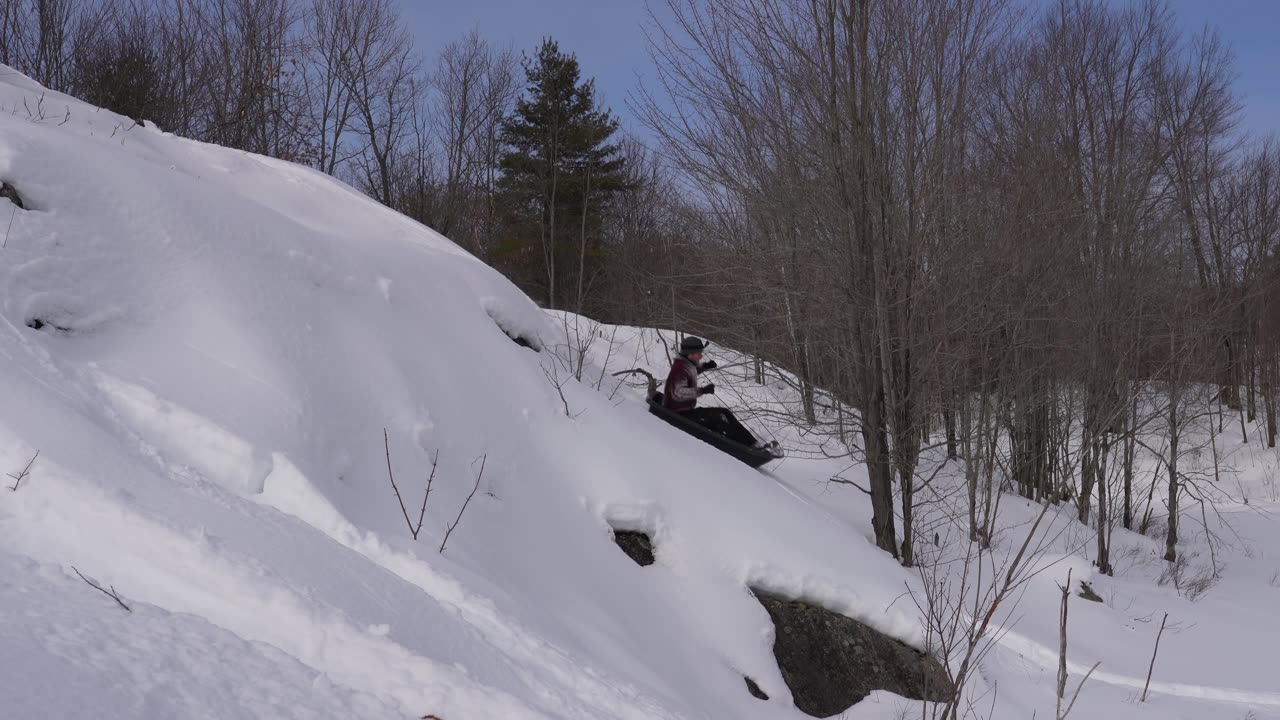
(752,455)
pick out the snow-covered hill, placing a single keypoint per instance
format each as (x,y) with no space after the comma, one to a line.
(224,339)
(205,348)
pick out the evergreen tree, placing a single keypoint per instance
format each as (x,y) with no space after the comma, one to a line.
(560,171)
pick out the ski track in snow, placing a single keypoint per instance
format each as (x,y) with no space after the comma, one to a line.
(1047,659)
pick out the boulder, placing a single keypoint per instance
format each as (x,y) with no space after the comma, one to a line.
(11,193)
(830,662)
(636,545)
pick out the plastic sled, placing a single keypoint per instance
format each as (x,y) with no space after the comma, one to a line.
(749,454)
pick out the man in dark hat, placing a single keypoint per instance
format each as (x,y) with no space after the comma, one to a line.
(681,394)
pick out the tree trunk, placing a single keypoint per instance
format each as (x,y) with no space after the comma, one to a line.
(949,422)
(551,241)
(879,469)
(1230,389)
(582,242)
(1251,395)
(1269,399)
(906,478)
(1130,449)
(1086,475)
(1104,546)
(1171,539)
(968,441)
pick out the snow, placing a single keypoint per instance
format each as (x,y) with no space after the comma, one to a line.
(225,339)
(1215,656)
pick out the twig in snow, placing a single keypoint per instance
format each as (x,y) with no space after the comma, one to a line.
(413,529)
(25,472)
(430,478)
(110,593)
(65,119)
(613,341)
(1152,667)
(1075,695)
(1062,647)
(457,520)
(558,384)
(12,215)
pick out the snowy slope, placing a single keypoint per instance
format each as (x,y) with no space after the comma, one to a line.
(1216,657)
(223,340)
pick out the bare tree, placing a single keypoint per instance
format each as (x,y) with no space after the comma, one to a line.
(330,33)
(475,87)
(380,73)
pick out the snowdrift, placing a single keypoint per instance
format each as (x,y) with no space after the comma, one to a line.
(205,347)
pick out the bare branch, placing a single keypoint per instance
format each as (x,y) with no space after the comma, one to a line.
(25,471)
(1151,668)
(1076,695)
(109,593)
(653,382)
(413,529)
(466,502)
(423,512)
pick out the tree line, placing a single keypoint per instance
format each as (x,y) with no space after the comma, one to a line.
(1032,237)
(509,154)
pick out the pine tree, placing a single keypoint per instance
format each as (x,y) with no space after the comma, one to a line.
(560,171)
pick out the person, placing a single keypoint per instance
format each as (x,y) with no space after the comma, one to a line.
(682,391)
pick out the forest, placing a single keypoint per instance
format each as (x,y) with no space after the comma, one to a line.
(1034,237)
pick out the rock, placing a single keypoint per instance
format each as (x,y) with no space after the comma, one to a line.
(8,191)
(38,324)
(830,662)
(636,545)
(754,689)
(1086,592)
(522,341)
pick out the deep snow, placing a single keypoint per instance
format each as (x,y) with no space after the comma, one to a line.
(226,338)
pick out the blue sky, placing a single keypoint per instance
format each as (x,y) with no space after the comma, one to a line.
(609,42)
(606,35)
(1250,27)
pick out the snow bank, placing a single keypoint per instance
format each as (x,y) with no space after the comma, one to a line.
(223,339)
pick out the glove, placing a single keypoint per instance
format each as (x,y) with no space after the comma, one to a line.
(708,365)
(708,389)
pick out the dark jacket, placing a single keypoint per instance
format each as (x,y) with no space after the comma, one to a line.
(681,391)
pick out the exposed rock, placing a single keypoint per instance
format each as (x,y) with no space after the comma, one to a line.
(8,191)
(38,324)
(636,545)
(522,341)
(830,661)
(1086,592)
(754,689)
